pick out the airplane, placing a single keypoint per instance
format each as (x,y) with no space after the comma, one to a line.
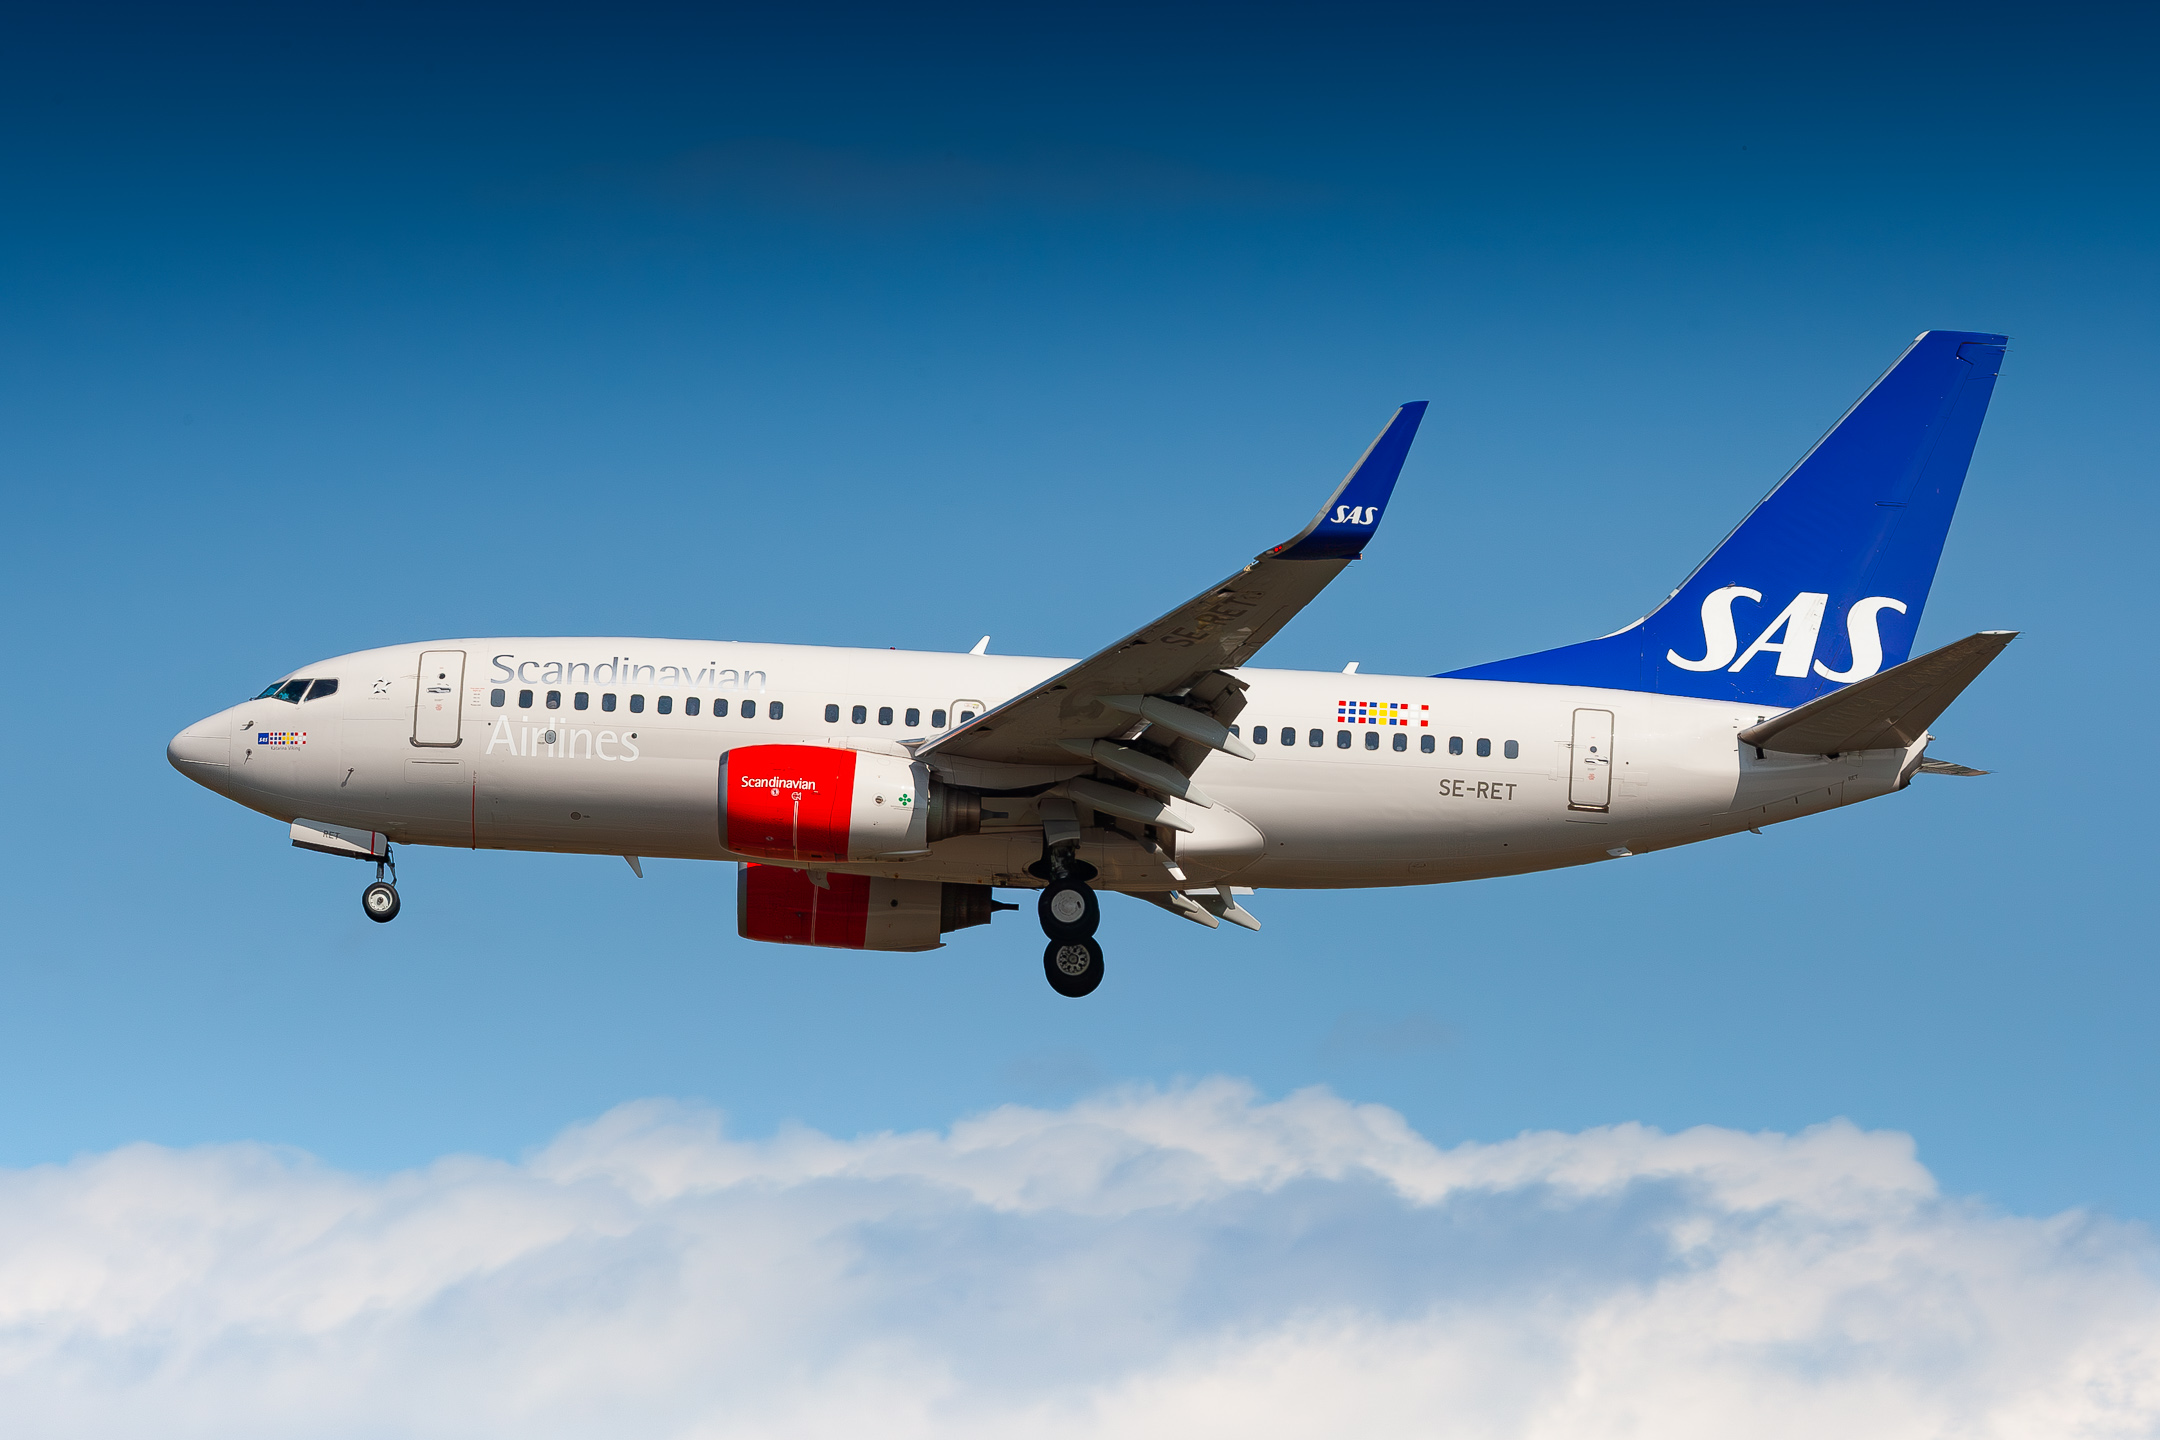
(877,799)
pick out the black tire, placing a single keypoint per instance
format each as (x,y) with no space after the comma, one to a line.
(1073,974)
(380,902)
(1082,912)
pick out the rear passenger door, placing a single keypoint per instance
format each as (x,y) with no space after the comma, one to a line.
(435,699)
(1590,774)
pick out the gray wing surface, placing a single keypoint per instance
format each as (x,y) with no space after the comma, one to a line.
(1167,674)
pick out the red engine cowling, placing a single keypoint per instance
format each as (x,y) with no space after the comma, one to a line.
(852,912)
(818,803)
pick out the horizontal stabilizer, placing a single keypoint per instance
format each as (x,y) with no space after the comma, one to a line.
(1948,767)
(1885,711)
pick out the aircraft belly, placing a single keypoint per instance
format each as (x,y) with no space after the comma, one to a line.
(651,805)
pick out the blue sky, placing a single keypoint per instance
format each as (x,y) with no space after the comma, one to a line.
(386,324)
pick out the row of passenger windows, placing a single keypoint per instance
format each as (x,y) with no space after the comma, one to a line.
(911,717)
(291,691)
(1427,744)
(663,705)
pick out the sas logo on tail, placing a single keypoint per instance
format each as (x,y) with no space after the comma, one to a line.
(1791,636)
(1356,514)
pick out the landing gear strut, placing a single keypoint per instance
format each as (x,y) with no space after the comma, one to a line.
(1073,962)
(380,900)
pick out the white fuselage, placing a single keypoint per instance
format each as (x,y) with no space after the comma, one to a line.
(483,760)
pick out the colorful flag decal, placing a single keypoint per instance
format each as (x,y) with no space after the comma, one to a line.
(1372,712)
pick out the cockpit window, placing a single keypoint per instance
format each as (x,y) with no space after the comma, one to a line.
(289,691)
(322,688)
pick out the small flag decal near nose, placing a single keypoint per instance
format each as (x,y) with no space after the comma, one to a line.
(281,737)
(1372,712)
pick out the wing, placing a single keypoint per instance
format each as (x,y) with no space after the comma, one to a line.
(1167,676)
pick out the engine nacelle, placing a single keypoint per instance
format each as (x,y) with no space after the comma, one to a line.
(817,803)
(852,912)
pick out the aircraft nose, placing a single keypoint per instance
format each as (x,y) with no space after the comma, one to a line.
(203,751)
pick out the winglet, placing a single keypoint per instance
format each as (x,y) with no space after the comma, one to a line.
(1352,514)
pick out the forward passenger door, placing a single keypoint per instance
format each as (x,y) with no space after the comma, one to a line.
(436,698)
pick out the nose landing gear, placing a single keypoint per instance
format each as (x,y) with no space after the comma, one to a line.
(380,900)
(1073,962)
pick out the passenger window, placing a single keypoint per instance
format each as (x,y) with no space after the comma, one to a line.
(637,704)
(322,688)
(774,709)
(884,714)
(1312,738)
(1425,744)
(937,719)
(581,701)
(1402,741)
(524,699)
(664,704)
(607,700)
(1234,730)
(1342,739)
(859,715)
(912,719)
(498,698)
(1511,750)
(554,700)
(966,715)
(690,706)
(749,709)
(832,714)
(1259,734)
(1372,739)
(719,709)
(290,691)
(1484,748)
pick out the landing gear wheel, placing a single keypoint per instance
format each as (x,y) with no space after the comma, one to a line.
(380,901)
(1073,967)
(1068,910)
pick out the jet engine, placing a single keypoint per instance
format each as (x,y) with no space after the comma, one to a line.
(814,803)
(853,912)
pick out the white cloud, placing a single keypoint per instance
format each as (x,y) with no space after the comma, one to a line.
(1192,1263)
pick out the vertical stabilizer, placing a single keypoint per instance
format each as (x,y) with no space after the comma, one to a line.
(1823,583)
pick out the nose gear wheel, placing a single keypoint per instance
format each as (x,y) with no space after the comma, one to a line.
(380,902)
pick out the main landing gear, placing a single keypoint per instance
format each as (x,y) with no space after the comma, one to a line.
(380,900)
(1072,962)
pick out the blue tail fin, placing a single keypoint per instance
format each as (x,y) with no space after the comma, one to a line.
(1829,573)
